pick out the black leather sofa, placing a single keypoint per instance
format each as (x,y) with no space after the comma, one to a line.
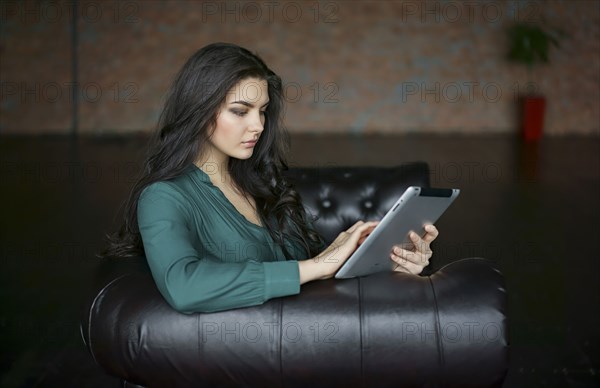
(447,329)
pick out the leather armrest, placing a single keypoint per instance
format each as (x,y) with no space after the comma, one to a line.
(392,328)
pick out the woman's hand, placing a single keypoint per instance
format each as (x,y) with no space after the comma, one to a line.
(326,264)
(413,261)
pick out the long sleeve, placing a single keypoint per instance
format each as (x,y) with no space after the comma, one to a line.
(189,278)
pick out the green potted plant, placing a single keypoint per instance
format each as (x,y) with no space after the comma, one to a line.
(529,45)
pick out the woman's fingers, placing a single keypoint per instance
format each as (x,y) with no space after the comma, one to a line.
(413,261)
(369,225)
(431,234)
(347,241)
(421,245)
(400,268)
(413,257)
(353,227)
(360,224)
(363,227)
(407,266)
(363,231)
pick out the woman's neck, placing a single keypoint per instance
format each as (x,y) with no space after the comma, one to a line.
(217,170)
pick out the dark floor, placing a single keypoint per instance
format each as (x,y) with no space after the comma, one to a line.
(532,209)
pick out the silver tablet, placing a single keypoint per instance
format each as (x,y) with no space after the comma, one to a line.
(417,207)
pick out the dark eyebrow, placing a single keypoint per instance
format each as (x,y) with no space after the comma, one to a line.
(248,104)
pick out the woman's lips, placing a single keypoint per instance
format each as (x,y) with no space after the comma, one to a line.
(251,143)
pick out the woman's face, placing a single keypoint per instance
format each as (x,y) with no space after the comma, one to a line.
(240,120)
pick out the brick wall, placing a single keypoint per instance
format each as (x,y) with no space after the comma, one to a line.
(348,66)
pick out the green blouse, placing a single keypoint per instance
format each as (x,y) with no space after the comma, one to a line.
(204,255)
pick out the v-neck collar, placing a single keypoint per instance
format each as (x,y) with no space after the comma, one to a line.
(205,178)
(200,173)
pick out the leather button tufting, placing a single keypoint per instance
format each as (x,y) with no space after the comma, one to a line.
(326,203)
(368,204)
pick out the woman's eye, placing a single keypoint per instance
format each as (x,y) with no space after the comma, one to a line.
(243,113)
(240,113)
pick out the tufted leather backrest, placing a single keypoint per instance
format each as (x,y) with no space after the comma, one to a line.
(340,196)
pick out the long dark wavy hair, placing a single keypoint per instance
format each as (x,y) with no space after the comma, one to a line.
(185,125)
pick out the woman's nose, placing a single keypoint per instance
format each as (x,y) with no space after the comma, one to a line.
(257,124)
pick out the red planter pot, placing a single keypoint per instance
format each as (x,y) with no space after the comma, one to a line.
(533,109)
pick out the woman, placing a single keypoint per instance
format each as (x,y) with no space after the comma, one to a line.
(218,224)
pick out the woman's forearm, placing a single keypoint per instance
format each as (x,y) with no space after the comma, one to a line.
(309,271)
